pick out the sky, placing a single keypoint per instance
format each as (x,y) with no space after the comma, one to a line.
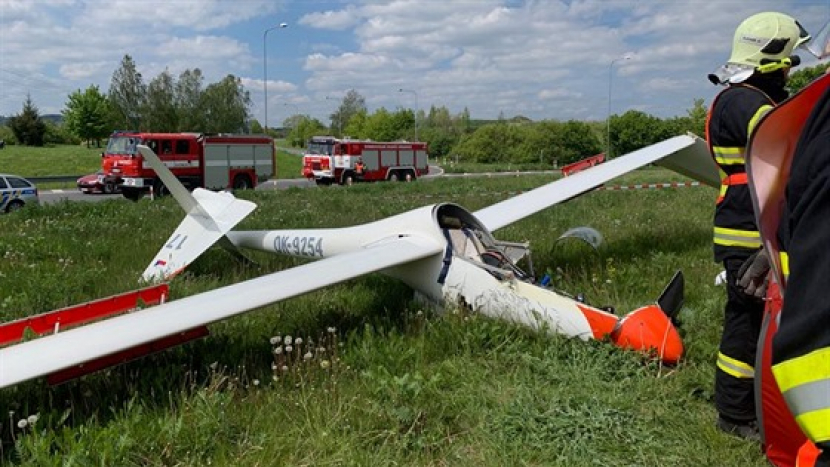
(542,59)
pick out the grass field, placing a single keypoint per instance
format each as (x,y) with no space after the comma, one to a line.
(388,381)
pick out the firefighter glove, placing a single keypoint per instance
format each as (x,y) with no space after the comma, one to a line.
(752,277)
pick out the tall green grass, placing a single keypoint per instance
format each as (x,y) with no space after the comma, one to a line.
(379,378)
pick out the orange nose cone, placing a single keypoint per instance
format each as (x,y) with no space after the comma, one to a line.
(649,330)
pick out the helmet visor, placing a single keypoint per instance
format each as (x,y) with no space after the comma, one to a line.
(731,73)
(819,46)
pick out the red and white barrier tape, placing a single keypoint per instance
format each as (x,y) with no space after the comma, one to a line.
(649,186)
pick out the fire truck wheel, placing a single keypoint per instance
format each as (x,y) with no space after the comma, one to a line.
(109,188)
(393,177)
(348,181)
(241,182)
(132,195)
(409,176)
(159,189)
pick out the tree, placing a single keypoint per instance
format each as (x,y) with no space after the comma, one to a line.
(126,94)
(352,103)
(86,113)
(380,126)
(304,130)
(635,130)
(159,110)
(801,78)
(357,125)
(189,101)
(28,127)
(226,105)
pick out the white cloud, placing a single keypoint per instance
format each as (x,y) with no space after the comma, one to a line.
(336,20)
(539,58)
(81,70)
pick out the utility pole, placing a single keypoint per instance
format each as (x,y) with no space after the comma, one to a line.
(265,66)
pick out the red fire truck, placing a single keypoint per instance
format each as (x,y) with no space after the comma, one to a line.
(329,160)
(215,162)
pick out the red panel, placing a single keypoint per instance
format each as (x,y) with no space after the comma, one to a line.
(126,355)
(64,318)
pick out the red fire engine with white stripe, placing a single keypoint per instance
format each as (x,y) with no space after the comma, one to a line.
(215,162)
(329,160)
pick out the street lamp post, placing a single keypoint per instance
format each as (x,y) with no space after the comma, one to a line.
(339,118)
(417,109)
(608,120)
(265,66)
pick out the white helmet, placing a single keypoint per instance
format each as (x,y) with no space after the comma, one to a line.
(763,43)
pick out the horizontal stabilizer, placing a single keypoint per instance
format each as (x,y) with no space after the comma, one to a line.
(215,215)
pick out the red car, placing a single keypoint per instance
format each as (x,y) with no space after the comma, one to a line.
(98,183)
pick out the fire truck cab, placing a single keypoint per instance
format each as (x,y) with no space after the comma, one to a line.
(215,162)
(329,160)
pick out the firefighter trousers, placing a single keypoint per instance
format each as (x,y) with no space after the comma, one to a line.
(734,375)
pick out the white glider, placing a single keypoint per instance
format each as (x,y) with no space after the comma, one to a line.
(443,251)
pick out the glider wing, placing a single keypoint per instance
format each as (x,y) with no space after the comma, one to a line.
(74,347)
(686,154)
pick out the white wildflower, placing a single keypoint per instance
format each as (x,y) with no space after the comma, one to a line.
(298,341)
(288,349)
(275,340)
(308,356)
(288,340)
(22,423)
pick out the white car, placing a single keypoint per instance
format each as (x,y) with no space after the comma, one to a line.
(16,192)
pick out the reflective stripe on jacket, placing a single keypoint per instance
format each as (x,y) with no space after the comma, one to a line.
(731,119)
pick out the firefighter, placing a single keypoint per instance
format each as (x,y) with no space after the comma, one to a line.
(359,167)
(754,76)
(801,347)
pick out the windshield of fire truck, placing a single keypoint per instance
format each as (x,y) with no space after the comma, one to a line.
(124,145)
(319,148)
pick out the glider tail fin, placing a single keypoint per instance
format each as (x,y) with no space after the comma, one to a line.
(209,216)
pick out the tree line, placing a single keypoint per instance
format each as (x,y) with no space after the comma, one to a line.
(184,103)
(165,104)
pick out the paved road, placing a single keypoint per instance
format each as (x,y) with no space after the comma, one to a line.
(54,196)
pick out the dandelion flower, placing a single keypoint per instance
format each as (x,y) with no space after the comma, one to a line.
(331,330)
(33,419)
(275,340)
(22,423)
(274,366)
(214,365)
(298,341)
(325,364)
(308,356)
(285,368)
(277,350)
(256,382)
(288,340)
(288,349)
